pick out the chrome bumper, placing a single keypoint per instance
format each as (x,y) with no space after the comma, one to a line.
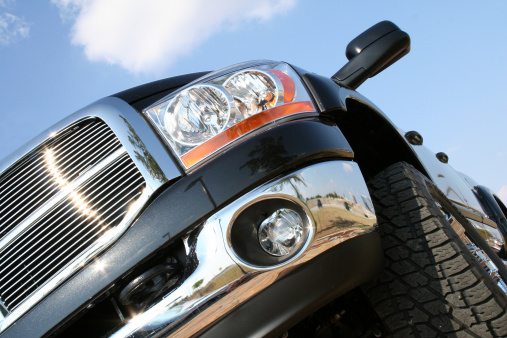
(222,281)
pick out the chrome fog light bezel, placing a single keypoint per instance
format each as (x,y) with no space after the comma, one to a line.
(243,234)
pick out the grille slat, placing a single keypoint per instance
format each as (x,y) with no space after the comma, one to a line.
(20,171)
(30,182)
(87,239)
(81,157)
(21,178)
(66,189)
(67,163)
(20,187)
(27,240)
(64,149)
(8,216)
(38,233)
(67,216)
(40,247)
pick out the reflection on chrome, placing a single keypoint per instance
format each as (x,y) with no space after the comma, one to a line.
(335,201)
(76,198)
(490,235)
(487,264)
(3,310)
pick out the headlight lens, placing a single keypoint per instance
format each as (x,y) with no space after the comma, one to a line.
(197,114)
(204,117)
(253,91)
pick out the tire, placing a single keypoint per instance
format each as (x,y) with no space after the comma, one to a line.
(431,285)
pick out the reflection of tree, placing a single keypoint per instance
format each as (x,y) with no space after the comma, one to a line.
(270,154)
(343,223)
(292,180)
(143,156)
(484,233)
(197,284)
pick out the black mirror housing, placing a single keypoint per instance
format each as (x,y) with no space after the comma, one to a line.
(371,52)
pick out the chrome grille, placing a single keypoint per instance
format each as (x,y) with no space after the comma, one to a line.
(58,202)
(31,182)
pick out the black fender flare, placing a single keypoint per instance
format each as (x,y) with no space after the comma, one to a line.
(375,140)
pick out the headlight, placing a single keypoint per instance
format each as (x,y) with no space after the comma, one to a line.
(211,113)
(197,114)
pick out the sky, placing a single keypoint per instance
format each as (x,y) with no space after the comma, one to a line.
(57,56)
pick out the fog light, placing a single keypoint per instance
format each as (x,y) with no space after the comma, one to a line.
(282,233)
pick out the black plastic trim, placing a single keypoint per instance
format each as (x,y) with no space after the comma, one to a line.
(325,92)
(144,95)
(375,140)
(304,290)
(371,52)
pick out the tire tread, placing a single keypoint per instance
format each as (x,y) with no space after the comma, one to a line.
(431,285)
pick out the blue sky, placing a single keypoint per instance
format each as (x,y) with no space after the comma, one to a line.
(57,56)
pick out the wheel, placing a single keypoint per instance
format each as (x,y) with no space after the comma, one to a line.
(431,285)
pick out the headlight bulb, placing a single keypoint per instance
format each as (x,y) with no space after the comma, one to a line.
(253,91)
(197,114)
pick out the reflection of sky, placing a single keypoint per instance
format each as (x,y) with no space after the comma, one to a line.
(346,178)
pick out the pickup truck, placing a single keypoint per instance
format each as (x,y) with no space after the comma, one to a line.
(257,200)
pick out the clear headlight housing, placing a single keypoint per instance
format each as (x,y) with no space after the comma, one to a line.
(208,115)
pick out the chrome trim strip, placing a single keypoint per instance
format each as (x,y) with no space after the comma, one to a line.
(487,264)
(476,216)
(58,197)
(222,281)
(492,237)
(3,311)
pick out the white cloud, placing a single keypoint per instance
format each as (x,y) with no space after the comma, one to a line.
(6,3)
(502,193)
(12,27)
(69,9)
(348,168)
(146,36)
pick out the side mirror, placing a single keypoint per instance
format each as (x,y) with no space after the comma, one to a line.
(371,52)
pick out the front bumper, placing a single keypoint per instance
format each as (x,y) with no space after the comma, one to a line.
(222,281)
